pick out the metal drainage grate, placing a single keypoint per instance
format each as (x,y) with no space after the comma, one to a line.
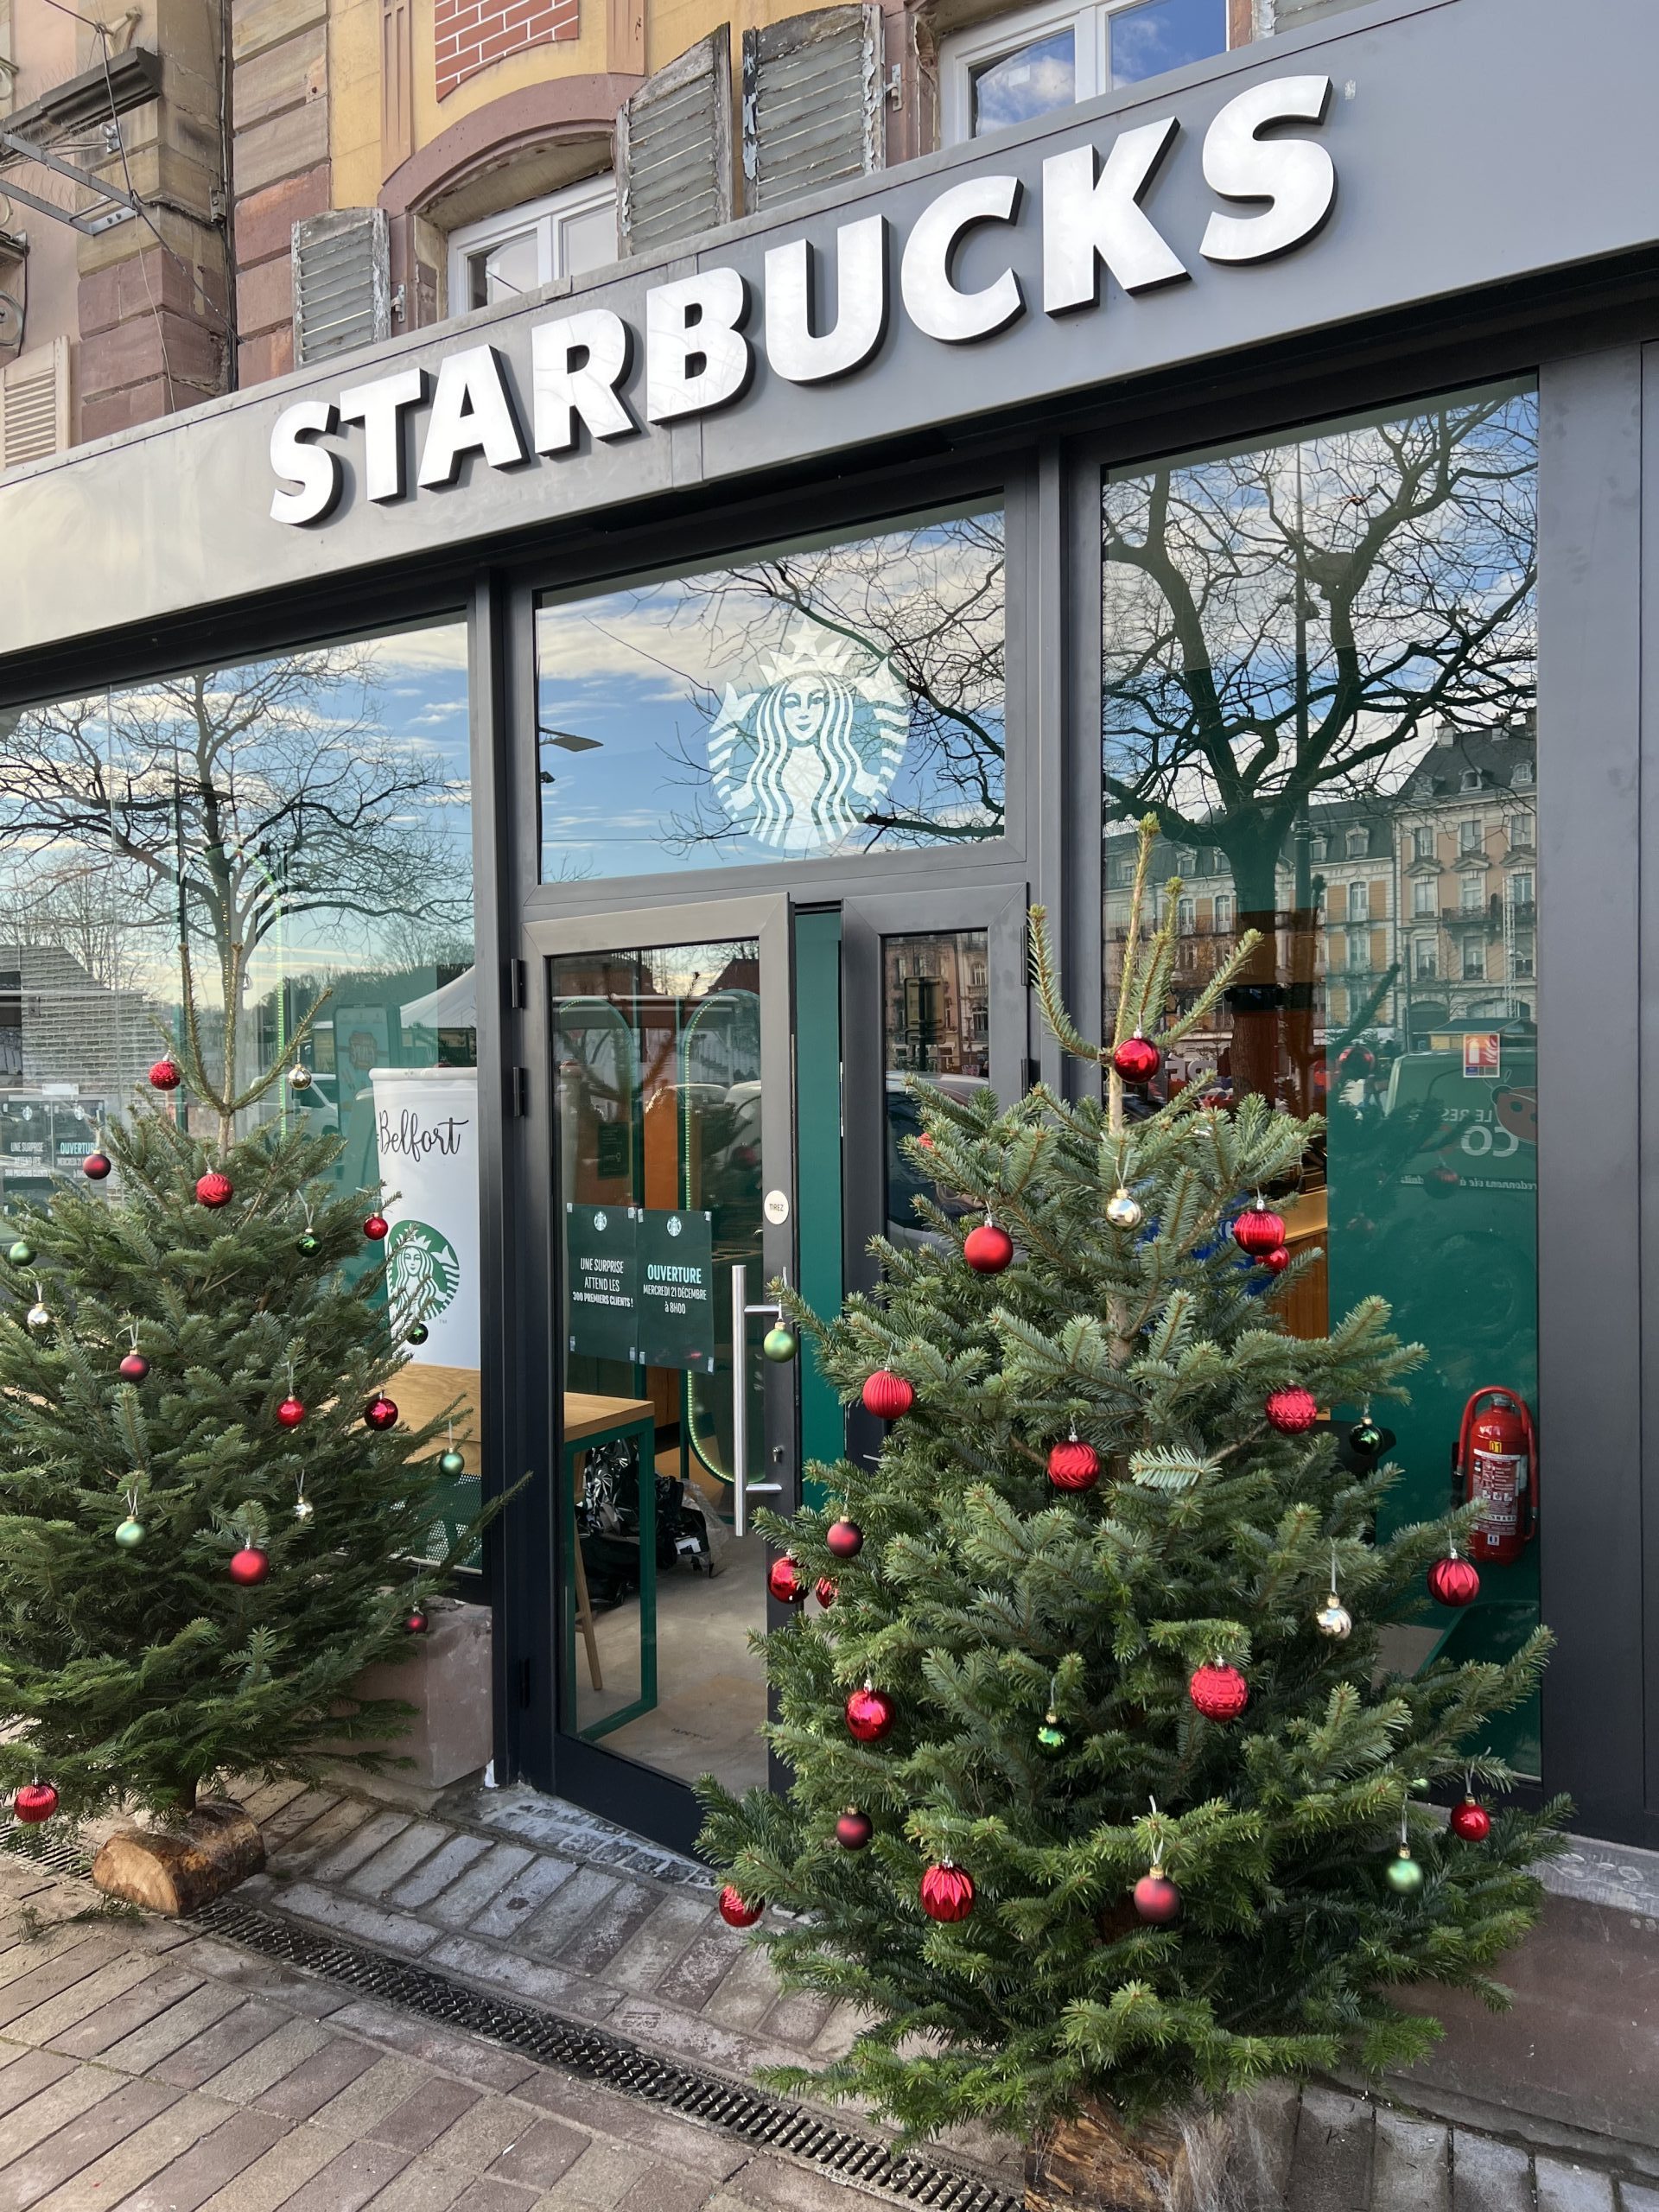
(607,2059)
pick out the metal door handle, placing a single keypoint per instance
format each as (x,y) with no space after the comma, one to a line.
(742,1488)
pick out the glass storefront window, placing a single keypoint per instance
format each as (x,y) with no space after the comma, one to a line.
(1320,672)
(936,1021)
(303,823)
(822,699)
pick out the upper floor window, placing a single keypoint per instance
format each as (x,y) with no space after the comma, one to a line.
(1521,829)
(1522,777)
(1028,65)
(1359,902)
(1422,895)
(1359,844)
(1224,910)
(1471,837)
(534,244)
(1423,840)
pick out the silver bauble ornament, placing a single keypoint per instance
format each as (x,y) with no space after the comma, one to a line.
(37,1316)
(1333,1618)
(1124,1211)
(300,1077)
(303,1509)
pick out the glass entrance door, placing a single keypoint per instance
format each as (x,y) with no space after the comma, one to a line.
(672,1130)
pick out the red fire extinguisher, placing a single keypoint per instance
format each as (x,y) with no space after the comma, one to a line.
(1495,1462)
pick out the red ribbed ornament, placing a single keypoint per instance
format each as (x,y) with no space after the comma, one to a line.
(1258,1232)
(1073,1464)
(947,1892)
(1219,1693)
(1293,1412)
(786,1582)
(35,1803)
(1157,1899)
(214,1189)
(1471,1821)
(870,1714)
(825,1591)
(1454,1582)
(888,1396)
(1137,1060)
(735,1910)
(164,1074)
(249,1565)
(987,1249)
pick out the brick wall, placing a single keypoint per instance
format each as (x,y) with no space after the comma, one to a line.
(471,33)
(279,56)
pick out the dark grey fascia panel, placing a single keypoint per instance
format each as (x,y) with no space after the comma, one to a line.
(1474,145)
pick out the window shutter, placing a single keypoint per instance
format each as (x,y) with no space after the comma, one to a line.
(35,404)
(811,104)
(342,282)
(674,149)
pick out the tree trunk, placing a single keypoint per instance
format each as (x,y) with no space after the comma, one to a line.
(174,1871)
(1094,2162)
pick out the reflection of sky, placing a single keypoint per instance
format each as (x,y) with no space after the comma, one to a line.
(1032,81)
(1165,34)
(637,678)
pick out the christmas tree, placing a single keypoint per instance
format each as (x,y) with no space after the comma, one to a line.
(208,1510)
(1103,1799)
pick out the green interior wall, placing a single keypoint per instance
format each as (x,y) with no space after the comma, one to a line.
(817,1176)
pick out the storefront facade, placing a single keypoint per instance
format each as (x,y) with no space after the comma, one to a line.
(650,712)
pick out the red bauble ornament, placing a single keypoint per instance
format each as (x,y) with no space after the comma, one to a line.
(1073,1464)
(376,1227)
(134,1368)
(290,1412)
(1276,1260)
(853,1829)
(987,1249)
(1258,1232)
(35,1803)
(1219,1693)
(249,1565)
(888,1396)
(825,1591)
(786,1582)
(164,1074)
(1293,1412)
(97,1164)
(736,1911)
(845,1538)
(1157,1899)
(415,1622)
(870,1714)
(1454,1582)
(381,1411)
(214,1189)
(947,1892)
(1137,1060)
(1470,1821)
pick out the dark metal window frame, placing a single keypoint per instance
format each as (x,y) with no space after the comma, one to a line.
(1599,597)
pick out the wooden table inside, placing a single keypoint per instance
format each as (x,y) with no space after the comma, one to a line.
(587,1416)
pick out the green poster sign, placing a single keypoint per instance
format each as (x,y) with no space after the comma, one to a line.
(601,1273)
(676,1290)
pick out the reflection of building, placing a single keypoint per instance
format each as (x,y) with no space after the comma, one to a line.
(937,1004)
(60,1025)
(1426,898)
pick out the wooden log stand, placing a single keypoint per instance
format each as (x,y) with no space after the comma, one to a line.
(174,1869)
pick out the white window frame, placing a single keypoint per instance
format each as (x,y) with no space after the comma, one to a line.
(544,216)
(966,51)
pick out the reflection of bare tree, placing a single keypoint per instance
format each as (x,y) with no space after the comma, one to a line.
(1300,619)
(928,600)
(226,803)
(69,901)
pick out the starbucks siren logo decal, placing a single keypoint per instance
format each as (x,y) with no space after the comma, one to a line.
(802,762)
(422,1272)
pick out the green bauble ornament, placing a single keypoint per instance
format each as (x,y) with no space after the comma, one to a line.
(21,1253)
(130,1533)
(1405,1875)
(779,1344)
(451,1463)
(416,1333)
(309,1245)
(1051,1737)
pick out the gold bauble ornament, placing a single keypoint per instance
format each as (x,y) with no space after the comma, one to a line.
(1333,1618)
(1124,1211)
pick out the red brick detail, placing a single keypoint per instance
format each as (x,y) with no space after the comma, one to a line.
(162,347)
(141,284)
(266,220)
(264,296)
(102,416)
(1241,22)
(471,34)
(258,360)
